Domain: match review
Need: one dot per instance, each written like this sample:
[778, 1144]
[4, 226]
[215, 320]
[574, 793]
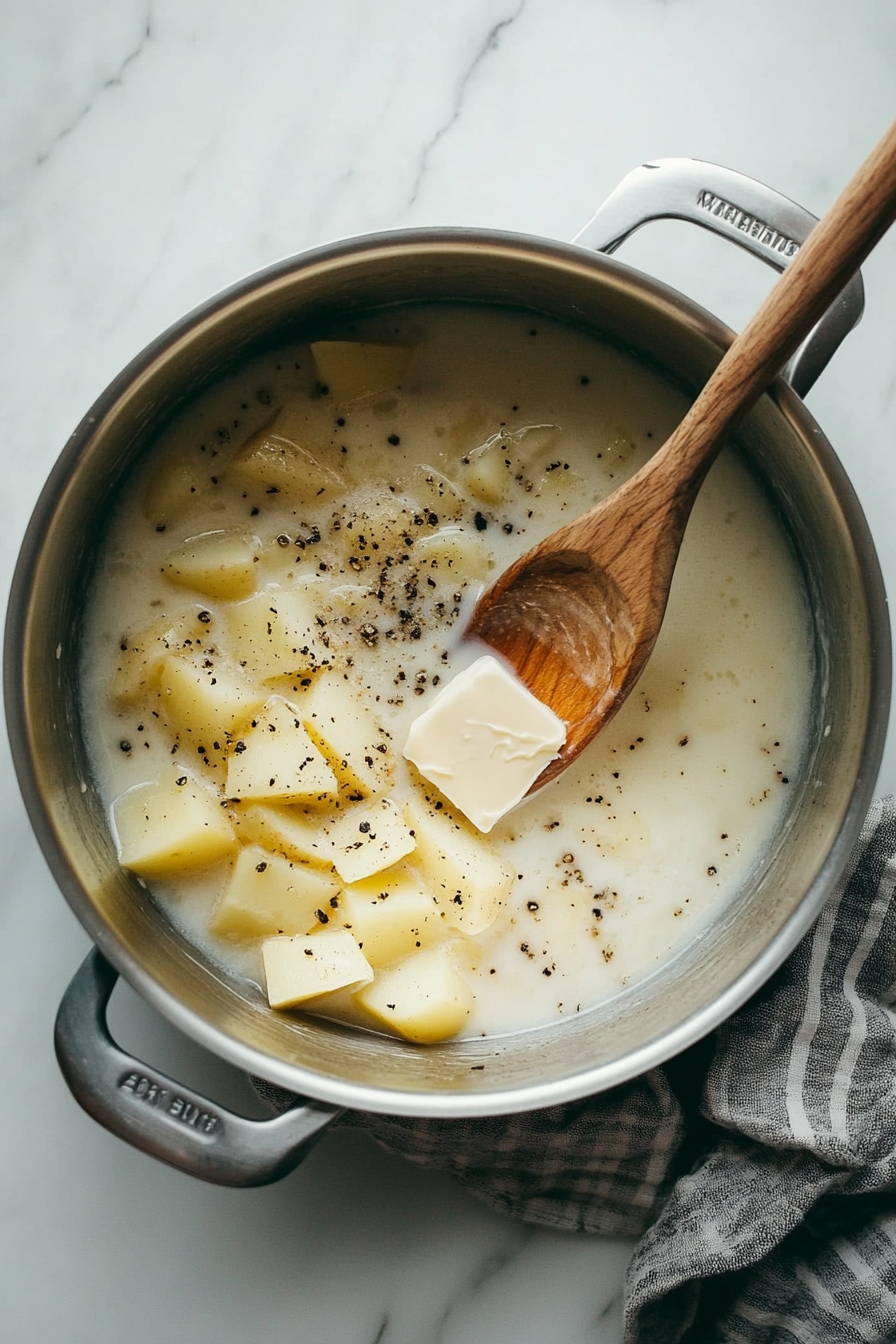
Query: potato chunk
[464, 873]
[281, 458]
[142, 654]
[348, 735]
[423, 998]
[504, 457]
[275, 633]
[301, 968]
[488, 474]
[286, 830]
[390, 916]
[266, 894]
[173, 487]
[377, 523]
[220, 564]
[353, 369]
[274, 758]
[203, 701]
[170, 825]
[369, 838]
[452, 552]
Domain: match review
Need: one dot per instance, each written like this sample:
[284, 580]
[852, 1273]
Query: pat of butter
[484, 741]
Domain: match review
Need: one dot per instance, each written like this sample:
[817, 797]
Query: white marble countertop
[155, 150]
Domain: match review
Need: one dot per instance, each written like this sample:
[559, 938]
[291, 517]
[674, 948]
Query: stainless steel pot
[335, 1066]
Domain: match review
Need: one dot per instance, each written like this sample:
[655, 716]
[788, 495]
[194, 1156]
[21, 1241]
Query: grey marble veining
[153, 153]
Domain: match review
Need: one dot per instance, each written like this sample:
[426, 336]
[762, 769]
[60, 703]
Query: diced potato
[301, 968]
[390, 916]
[454, 552]
[489, 474]
[341, 1006]
[344, 1005]
[142, 655]
[467, 877]
[203, 705]
[369, 838]
[424, 998]
[286, 830]
[171, 825]
[535, 440]
[554, 480]
[353, 598]
[220, 564]
[348, 735]
[437, 491]
[274, 758]
[376, 523]
[172, 488]
[275, 633]
[352, 369]
[266, 894]
[466, 950]
[139, 662]
[490, 468]
[280, 458]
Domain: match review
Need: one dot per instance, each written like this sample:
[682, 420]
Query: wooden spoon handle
[832, 253]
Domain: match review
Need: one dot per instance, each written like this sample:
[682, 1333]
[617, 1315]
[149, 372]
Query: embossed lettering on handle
[162, 1117]
[140, 1087]
[740, 219]
[740, 209]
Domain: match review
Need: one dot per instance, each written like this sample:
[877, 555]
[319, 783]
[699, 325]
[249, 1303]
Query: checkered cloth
[759, 1168]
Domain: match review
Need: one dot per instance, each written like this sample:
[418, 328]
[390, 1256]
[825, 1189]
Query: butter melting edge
[484, 741]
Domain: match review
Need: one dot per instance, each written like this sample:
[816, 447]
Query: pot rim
[298, 1078]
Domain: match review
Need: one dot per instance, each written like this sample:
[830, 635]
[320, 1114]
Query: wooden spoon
[577, 616]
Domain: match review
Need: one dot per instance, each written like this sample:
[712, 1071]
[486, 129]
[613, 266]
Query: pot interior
[644, 1024]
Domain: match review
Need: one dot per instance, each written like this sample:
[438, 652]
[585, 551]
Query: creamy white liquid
[661, 820]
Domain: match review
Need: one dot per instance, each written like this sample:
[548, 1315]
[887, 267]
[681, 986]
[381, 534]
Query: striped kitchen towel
[759, 1168]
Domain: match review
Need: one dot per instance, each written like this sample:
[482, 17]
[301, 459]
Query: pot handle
[737, 208]
[160, 1117]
